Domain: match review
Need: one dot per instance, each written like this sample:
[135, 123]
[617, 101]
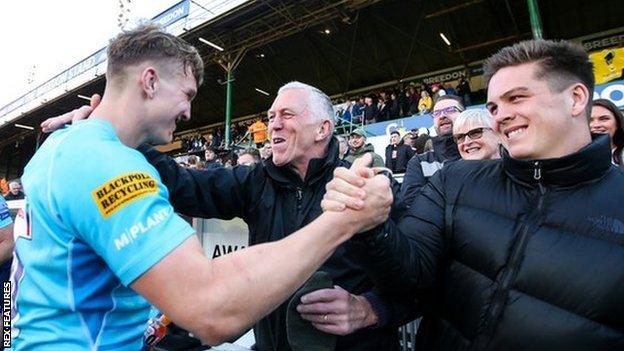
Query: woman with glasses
[473, 131]
[606, 118]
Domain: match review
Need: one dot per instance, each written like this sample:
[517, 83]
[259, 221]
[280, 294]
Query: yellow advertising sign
[608, 64]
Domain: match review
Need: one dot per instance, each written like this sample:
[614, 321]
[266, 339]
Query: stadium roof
[340, 46]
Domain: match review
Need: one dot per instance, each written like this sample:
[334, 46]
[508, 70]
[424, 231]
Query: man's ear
[149, 81]
[323, 131]
[580, 98]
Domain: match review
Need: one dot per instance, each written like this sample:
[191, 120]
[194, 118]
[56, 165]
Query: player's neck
[123, 115]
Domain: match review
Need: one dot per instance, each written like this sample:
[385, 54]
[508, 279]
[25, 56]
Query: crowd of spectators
[243, 132]
[376, 106]
[389, 104]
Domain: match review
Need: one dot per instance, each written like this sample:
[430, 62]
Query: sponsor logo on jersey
[132, 233]
[118, 192]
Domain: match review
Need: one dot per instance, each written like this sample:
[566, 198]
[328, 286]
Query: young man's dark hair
[562, 63]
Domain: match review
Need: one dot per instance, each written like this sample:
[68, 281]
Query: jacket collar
[445, 146]
[589, 163]
[317, 167]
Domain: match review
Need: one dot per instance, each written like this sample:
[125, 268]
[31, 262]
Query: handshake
[360, 194]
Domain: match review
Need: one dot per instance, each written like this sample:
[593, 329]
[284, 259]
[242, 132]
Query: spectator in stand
[347, 113]
[421, 167]
[258, 131]
[217, 140]
[395, 106]
[266, 151]
[210, 159]
[195, 162]
[438, 92]
[463, 90]
[413, 99]
[343, 147]
[15, 191]
[425, 102]
[249, 157]
[370, 110]
[229, 160]
[359, 148]
[606, 118]
[404, 102]
[407, 139]
[384, 108]
[412, 141]
[448, 90]
[473, 132]
[358, 110]
[397, 153]
[424, 143]
[4, 186]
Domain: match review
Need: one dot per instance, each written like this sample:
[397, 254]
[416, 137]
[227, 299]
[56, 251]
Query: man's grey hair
[319, 104]
[473, 117]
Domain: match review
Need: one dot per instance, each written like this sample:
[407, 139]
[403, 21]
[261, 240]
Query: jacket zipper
[514, 261]
[299, 196]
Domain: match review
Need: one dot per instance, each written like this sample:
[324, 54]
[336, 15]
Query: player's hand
[54, 123]
[345, 190]
[376, 204]
[336, 311]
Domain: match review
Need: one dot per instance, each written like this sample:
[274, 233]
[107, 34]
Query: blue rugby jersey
[97, 219]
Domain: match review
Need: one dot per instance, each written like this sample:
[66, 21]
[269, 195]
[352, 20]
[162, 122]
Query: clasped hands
[361, 192]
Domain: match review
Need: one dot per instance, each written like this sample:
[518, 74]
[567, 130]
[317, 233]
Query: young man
[526, 252]
[98, 250]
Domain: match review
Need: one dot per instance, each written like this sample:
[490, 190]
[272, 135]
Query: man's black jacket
[512, 255]
[275, 202]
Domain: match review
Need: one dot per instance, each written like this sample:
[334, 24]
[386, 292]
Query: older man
[525, 252]
[281, 195]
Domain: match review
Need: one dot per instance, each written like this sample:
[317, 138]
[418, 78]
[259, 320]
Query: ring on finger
[324, 318]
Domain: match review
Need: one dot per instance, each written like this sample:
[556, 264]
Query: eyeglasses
[474, 134]
[445, 111]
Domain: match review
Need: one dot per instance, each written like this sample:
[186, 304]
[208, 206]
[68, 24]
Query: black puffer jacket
[275, 202]
[513, 255]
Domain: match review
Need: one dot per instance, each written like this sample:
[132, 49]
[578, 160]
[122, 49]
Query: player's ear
[149, 81]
